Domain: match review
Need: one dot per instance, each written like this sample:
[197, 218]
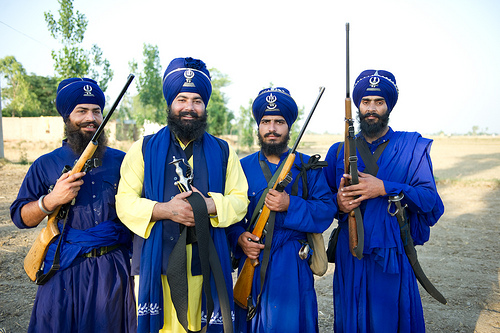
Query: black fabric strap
[177, 279]
[210, 264]
[370, 160]
[271, 179]
[313, 163]
[270, 185]
[41, 278]
[189, 150]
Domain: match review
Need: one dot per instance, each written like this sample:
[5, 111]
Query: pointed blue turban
[376, 83]
[275, 102]
[186, 75]
[74, 91]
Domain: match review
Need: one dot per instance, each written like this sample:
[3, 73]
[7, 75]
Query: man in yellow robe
[172, 229]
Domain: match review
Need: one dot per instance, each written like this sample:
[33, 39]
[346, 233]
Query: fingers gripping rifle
[355, 219]
[34, 259]
[243, 287]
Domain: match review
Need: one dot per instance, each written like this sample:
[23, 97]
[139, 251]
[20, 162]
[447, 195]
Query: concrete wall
[41, 129]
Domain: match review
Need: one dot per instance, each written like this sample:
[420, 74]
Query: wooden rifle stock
[34, 259]
[243, 286]
[353, 230]
[355, 220]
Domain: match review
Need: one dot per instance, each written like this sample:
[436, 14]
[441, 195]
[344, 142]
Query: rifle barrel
[348, 93]
[98, 133]
[302, 131]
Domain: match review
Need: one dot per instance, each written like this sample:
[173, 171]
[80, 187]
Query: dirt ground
[461, 257]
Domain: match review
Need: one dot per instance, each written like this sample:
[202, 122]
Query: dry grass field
[461, 257]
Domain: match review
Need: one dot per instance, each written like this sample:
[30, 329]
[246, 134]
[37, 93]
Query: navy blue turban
[186, 75]
[74, 91]
[275, 102]
[376, 83]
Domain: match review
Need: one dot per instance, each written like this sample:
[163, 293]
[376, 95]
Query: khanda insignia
[188, 74]
[374, 82]
[271, 100]
[183, 183]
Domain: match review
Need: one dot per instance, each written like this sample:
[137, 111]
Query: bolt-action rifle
[34, 259]
[243, 287]
[355, 219]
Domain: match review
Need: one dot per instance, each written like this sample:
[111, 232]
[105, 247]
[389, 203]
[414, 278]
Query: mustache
[370, 114]
[76, 128]
[188, 113]
[89, 123]
[272, 133]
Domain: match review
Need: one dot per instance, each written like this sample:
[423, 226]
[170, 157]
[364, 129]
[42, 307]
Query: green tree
[219, 116]
[247, 131]
[45, 89]
[295, 130]
[149, 104]
[72, 60]
[18, 98]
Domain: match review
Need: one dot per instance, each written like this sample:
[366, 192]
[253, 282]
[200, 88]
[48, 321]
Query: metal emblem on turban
[271, 99]
[374, 81]
[188, 74]
[88, 90]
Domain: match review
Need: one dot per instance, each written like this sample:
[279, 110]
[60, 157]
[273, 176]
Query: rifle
[34, 259]
[355, 219]
[243, 286]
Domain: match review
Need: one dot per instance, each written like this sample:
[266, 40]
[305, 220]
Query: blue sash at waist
[77, 242]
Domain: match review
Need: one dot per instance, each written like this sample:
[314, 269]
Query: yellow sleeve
[232, 206]
[133, 210]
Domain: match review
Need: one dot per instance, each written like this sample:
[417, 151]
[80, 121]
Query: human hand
[351, 196]
[277, 201]
[212, 210]
[249, 244]
[177, 209]
[65, 190]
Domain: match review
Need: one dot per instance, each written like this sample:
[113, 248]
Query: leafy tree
[247, 127]
[219, 116]
[20, 99]
[72, 60]
[149, 104]
[45, 89]
[295, 130]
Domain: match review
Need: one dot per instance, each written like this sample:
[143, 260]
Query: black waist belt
[100, 251]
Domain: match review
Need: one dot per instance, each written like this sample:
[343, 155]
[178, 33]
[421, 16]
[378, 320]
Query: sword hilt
[184, 183]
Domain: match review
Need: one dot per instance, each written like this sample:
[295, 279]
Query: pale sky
[442, 53]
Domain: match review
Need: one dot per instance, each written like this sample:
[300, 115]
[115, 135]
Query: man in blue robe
[288, 301]
[379, 293]
[92, 291]
[181, 284]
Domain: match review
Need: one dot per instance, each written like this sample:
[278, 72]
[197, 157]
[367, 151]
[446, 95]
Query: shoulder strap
[339, 148]
[313, 163]
[370, 160]
[270, 183]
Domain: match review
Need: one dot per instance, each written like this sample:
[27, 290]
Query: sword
[410, 251]
[184, 183]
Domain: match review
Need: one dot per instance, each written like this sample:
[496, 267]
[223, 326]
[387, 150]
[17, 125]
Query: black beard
[78, 141]
[187, 130]
[275, 148]
[373, 129]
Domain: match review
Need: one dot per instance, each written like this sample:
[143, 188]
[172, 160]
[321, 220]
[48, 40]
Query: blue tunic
[92, 294]
[379, 293]
[288, 302]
